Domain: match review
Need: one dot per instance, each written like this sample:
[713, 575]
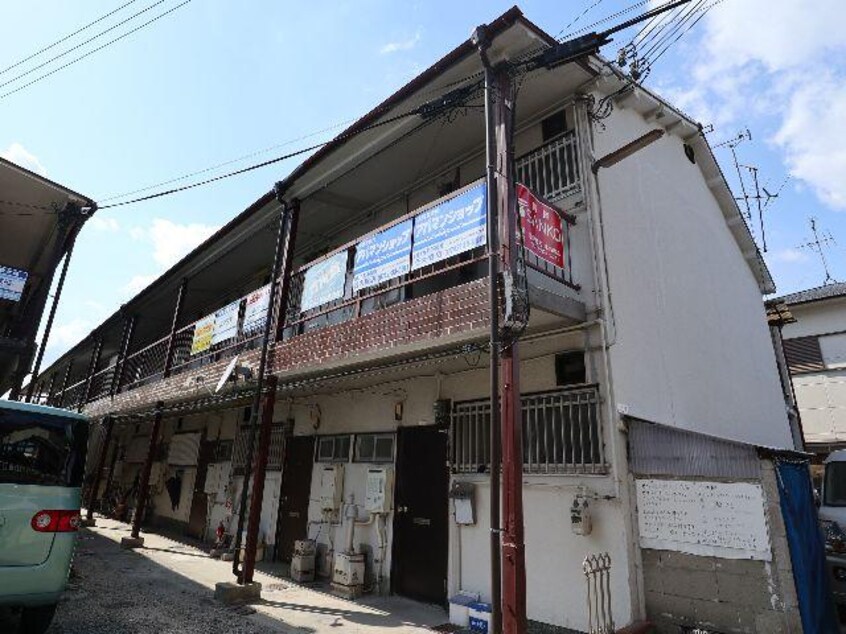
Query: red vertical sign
[542, 226]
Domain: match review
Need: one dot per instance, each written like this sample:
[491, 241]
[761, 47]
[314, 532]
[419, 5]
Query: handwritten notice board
[703, 518]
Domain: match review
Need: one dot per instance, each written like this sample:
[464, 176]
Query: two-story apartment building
[652, 413]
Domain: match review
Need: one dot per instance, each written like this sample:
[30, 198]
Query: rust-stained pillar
[123, 353]
[98, 472]
[513, 547]
[144, 484]
[92, 370]
[65, 380]
[171, 342]
[268, 402]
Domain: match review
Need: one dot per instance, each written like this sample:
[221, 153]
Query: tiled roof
[837, 289]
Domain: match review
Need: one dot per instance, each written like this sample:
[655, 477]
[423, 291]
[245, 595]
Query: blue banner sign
[382, 256]
[324, 282]
[12, 282]
[452, 227]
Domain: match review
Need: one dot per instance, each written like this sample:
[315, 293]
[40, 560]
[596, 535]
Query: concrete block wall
[725, 595]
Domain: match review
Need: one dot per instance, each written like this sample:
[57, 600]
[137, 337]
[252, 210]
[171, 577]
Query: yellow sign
[203, 334]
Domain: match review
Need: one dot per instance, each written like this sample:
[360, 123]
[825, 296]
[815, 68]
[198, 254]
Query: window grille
[561, 434]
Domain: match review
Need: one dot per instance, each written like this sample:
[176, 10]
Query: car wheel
[36, 620]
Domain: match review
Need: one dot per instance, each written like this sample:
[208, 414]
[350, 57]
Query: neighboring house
[650, 395]
[39, 221]
[815, 351]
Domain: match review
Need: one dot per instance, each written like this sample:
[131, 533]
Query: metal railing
[561, 434]
[597, 569]
[552, 170]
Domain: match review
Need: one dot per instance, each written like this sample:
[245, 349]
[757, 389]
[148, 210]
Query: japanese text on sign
[203, 334]
[452, 227]
[12, 282]
[382, 256]
[256, 310]
[324, 282]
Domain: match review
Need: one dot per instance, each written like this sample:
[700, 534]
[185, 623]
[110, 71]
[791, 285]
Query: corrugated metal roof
[661, 450]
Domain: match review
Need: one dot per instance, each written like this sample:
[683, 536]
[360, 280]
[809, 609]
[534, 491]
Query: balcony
[354, 300]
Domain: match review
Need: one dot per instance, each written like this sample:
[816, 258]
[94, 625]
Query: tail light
[62, 521]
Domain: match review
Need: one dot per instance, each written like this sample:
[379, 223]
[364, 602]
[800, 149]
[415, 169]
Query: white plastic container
[459, 608]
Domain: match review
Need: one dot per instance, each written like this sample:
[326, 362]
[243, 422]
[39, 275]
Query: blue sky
[216, 80]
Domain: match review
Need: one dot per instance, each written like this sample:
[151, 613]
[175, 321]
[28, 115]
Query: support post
[65, 380]
[287, 261]
[513, 547]
[108, 423]
[92, 370]
[135, 540]
[49, 326]
[123, 353]
[284, 243]
[171, 342]
[50, 386]
[107, 490]
[269, 401]
[481, 40]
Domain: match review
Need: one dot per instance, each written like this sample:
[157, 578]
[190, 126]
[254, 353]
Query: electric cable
[65, 38]
[682, 19]
[704, 12]
[578, 17]
[95, 50]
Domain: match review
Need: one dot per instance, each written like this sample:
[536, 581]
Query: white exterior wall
[821, 396]
[554, 555]
[690, 345]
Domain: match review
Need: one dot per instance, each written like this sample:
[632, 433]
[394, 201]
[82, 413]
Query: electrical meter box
[580, 516]
[378, 496]
[331, 487]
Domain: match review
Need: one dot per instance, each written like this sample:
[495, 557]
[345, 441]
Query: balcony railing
[552, 170]
[561, 433]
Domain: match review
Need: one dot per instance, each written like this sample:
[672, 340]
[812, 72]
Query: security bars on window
[561, 434]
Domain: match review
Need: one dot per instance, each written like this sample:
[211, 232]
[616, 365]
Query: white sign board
[256, 310]
[717, 519]
[12, 282]
[226, 322]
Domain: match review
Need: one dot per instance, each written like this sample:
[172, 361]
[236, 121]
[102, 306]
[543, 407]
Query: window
[374, 448]
[570, 368]
[333, 449]
[553, 126]
[835, 484]
[561, 434]
[803, 354]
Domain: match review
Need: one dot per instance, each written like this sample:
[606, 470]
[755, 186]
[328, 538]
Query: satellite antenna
[227, 373]
[817, 245]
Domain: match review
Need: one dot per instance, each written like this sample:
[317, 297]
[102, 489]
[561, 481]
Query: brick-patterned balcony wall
[441, 318]
[182, 386]
[436, 319]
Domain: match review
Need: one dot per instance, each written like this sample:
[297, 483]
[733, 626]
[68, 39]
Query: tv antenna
[817, 245]
[759, 199]
[732, 143]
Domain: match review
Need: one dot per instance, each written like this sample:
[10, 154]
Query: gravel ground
[115, 591]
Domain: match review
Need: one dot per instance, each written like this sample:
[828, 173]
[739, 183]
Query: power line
[578, 17]
[378, 111]
[607, 18]
[427, 108]
[66, 37]
[703, 13]
[91, 52]
[80, 45]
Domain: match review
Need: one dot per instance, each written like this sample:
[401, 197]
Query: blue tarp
[807, 548]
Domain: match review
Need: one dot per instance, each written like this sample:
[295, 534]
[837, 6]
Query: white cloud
[171, 241]
[63, 336]
[784, 66]
[137, 284]
[790, 256]
[101, 223]
[401, 45]
[137, 233]
[18, 154]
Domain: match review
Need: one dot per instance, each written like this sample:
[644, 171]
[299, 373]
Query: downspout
[481, 40]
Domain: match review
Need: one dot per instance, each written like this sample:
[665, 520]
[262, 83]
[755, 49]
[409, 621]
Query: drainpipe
[257, 496]
[144, 485]
[282, 241]
[49, 327]
[481, 40]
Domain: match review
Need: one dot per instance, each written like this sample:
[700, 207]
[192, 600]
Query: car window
[834, 490]
[41, 449]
